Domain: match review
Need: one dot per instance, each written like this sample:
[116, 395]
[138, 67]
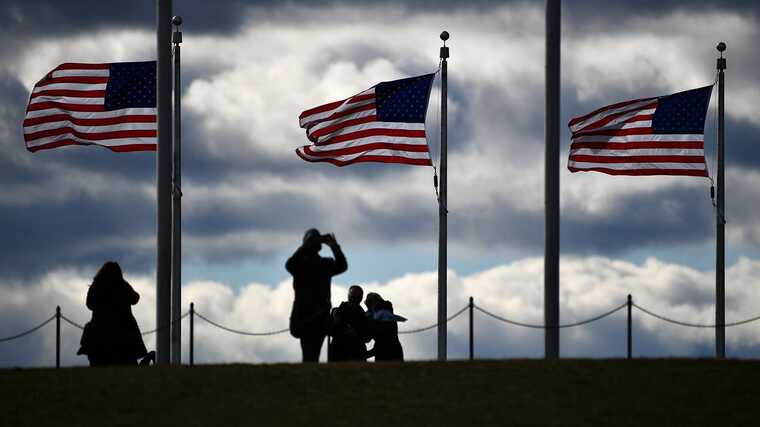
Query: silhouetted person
[112, 336]
[383, 326]
[312, 274]
[349, 329]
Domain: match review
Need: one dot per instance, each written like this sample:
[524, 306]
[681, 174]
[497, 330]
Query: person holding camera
[312, 274]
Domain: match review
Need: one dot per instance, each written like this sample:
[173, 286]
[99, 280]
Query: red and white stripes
[67, 108]
[619, 139]
[348, 131]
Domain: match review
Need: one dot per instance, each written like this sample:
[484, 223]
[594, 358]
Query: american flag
[385, 123]
[111, 105]
[650, 136]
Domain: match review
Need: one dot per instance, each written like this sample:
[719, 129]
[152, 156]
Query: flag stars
[682, 112]
[131, 85]
[403, 100]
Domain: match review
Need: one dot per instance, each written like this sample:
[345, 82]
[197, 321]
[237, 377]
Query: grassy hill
[507, 393]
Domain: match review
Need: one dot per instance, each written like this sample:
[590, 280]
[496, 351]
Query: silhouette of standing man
[312, 275]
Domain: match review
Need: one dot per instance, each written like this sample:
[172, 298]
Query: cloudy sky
[249, 69]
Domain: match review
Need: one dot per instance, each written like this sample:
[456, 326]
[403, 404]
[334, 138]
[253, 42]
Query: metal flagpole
[551, 181]
[442, 210]
[163, 179]
[176, 327]
[720, 250]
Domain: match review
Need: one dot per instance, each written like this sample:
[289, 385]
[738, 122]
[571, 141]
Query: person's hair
[357, 290]
[309, 233]
[109, 272]
[372, 299]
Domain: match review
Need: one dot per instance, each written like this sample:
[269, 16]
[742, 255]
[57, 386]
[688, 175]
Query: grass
[669, 392]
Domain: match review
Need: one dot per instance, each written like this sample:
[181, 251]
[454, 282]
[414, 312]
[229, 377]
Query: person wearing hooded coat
[383, 326]
[112, 336]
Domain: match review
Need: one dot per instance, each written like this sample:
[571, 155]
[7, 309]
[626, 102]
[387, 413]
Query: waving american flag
[385, 123]
[110, 105]
[649, 136]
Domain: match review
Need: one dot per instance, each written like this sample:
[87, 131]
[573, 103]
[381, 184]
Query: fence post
[472, 338]
[630, 305]
[57, 336]
[192, 316]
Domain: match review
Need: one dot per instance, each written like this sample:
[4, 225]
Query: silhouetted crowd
[112, 336]
[349, 326]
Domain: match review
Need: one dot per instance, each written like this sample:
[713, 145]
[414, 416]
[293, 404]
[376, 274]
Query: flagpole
[163, 179]
[720, 250]
[442, 211]
[176, 328]
[551, 180]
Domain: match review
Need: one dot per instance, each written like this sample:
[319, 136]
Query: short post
[630, 334]
[57, 336]
[472, 329]
[192, 317]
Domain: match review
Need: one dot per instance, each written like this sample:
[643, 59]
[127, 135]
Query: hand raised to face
[329, 240]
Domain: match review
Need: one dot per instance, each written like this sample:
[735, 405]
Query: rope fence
[71, 322]
[471, 307]
[153, 331]
[568, 325]
[235, 331]
[695, 325]
[13, 337]
[434, 325]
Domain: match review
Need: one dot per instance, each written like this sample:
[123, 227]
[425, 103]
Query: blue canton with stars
[131, 85]
[404, 100]
[683, 112]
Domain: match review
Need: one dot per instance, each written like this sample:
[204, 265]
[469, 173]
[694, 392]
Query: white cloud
[589, 286]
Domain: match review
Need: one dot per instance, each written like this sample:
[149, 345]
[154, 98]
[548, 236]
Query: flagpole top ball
[721, 47]
[445, 35]
[177, 20]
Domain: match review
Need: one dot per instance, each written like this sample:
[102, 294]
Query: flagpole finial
[721, 61]
[177, 34]
[444, 49]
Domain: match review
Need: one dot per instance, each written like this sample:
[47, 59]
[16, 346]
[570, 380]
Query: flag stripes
[367, 127]
[648, 136]
[69, 107]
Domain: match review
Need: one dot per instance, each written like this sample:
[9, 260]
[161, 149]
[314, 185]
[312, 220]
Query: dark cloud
[742, 149]
[84, 229]
[595, 15]
[662, 218]
[46, 18]
[283, 211]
